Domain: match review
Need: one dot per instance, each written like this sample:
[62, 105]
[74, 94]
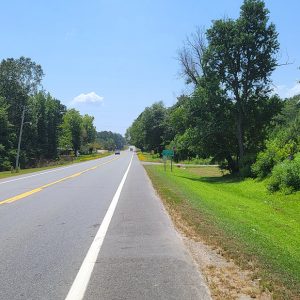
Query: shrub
[286, 176]
[277, 150]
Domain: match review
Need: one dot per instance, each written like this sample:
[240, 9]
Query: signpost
[168, 154]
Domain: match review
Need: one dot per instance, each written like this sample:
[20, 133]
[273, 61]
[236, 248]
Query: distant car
[117, 152]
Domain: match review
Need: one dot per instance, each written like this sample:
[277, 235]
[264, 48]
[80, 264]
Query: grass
[82, 158]
[146, 156]
[259, 230]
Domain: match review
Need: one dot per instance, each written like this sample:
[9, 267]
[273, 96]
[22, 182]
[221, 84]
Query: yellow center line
[39, 189]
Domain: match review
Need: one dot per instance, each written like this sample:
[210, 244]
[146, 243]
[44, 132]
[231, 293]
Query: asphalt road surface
[94, 230]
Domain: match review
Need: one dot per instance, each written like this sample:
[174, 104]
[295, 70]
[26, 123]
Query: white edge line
[42, 173]
[83, 276]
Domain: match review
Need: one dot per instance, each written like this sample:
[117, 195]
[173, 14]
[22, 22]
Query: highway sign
[168, 153]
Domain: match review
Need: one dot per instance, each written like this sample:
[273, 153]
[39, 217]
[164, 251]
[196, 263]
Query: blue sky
[112, 58]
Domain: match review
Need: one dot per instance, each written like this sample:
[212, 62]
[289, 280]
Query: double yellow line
[39, 189]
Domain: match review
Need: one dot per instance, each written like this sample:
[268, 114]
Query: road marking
[21, 196]
[82, 279]
[39, 189]
[42, 173]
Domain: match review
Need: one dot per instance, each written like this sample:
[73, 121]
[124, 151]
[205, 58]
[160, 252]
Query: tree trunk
[240, 137]
[232, 166]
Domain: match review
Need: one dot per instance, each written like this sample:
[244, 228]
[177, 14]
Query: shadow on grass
[216, 179]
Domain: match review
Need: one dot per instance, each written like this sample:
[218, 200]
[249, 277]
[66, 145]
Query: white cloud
[91, 97]
[295, 90]
[285, 92]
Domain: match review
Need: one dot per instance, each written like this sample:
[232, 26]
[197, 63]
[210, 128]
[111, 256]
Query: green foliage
[71, 129]
[284, 139]
[286, 176]
[19, 79]
[135, 133]
[6, 136]
[40, 137]
[110, 141]
[241, 55]
[230, 110]
[45, 124]
[277, 150]
[245, 169]
[88, 134]
[148, 129]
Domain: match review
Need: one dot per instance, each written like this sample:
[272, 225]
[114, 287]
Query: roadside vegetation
[51, 132]
[110, 140]
[259, 230]
[151, 157]
[54, 164]
[250, 206]
[232, 116]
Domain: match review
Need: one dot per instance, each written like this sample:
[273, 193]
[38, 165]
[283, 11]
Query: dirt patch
[225, 279]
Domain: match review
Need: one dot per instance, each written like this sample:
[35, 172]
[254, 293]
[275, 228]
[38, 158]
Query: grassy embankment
[260, 231]
[148, 157]
[55, 164]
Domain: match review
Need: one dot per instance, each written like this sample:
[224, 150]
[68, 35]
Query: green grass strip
[82, 158]
[249, 222]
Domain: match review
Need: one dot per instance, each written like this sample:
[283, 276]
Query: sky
[112, 58]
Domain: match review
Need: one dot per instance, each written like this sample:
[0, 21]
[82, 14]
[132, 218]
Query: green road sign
[168, 153]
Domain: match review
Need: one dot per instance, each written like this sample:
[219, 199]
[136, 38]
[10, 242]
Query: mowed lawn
[253, 226]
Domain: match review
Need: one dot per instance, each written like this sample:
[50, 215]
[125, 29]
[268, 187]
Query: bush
[286, 176]
[277, 151]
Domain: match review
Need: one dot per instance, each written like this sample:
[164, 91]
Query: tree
[191, 57]
[241, 55]
[110, 140]
[213, 124]
[283, 140]
[19, 79]
[71, 129]
[147, 131]
[177, 131]
[135, 134]
[88, 132]
[45, 114]
[153, 121]
[5, 137]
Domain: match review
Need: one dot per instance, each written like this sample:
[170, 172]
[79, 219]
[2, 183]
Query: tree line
[232, 115]
[110, 140]
[49, 128]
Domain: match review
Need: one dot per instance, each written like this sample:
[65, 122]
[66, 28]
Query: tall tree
[153, 120]
[19, 79]
[71, 130]
[191, 57]
[89, 130]
[45, 114]
[241, 54]
[5, 137]
[135, 134]
[88, 133]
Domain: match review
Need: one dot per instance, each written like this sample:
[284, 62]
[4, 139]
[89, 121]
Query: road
[94, 230]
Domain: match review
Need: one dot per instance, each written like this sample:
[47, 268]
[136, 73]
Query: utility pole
[20, 137]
